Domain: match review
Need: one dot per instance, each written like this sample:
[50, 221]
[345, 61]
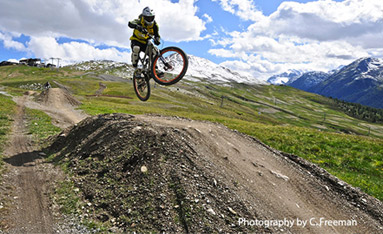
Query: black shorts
[137, 43]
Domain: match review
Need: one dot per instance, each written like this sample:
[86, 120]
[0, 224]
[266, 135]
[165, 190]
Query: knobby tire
[138, 85]
[178, 61]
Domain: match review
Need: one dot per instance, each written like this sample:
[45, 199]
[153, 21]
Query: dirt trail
[270, 184]
[273, 185]
[59, 105]
[28, 180]
[30, 209]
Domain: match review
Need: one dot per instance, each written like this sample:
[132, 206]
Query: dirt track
[58, 104]
[28, 179]
[269, 185]
[29, 209]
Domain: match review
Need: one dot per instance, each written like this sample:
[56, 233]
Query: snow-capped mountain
[309, 80]
[206, 69]
[360, 82]
[198, 69]
[98, 65]
[369, 68]
[285, 78]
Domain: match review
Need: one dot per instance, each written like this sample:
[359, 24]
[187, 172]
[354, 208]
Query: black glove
[157, 41]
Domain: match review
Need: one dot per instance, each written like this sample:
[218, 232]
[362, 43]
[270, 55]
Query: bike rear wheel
[141, 86]
[169, 66]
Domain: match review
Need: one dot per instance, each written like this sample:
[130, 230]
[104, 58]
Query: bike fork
[167, 65]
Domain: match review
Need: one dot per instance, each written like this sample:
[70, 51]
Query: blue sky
[260, 37]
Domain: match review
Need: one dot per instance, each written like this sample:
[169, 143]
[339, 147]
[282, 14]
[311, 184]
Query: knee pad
[136, 49]
[135, 52]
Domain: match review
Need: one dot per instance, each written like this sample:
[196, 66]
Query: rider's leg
[137, 47]
[135, 53]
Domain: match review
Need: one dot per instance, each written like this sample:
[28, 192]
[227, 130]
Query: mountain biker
[139, 39]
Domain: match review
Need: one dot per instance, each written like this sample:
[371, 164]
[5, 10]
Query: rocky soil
[167, 174]
[153, 173]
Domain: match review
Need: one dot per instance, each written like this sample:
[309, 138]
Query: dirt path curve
[274, 186]
[29, 178]
[30, 213]
[59, 104]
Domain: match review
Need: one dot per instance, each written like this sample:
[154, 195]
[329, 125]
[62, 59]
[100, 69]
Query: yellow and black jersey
[139, 36]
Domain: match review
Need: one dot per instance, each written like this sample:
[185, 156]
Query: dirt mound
[174, 175]
[57, 97]
[146, 178]
[59, 104]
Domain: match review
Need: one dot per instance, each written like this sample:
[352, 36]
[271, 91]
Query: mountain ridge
[285, 77]
[198, 69]
[359, 82]
[309, 80]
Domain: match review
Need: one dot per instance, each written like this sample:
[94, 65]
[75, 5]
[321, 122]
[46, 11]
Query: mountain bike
[166, 66]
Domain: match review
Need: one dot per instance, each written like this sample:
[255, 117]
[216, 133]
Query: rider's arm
[133, 24]
[156, 30]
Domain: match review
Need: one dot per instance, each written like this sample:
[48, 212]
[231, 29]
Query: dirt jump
[177, 175]
[167, 174]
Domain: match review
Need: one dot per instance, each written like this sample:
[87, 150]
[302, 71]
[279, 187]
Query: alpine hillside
[198, 69]
[360, 82]
[195, 157]
[285, 78]
[207, 70]
[309, 80]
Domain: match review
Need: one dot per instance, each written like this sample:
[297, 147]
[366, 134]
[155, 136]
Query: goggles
[149, 18]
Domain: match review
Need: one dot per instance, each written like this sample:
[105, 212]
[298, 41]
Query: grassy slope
[284, 118]
[7, 109]
[11, 78]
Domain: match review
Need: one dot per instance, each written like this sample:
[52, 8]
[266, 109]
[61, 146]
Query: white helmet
[148, 15]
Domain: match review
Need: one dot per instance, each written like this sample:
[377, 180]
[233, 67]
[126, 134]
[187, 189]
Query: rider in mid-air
[139, 39]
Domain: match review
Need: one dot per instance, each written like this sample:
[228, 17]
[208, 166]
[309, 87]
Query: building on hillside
[50, 65]
[33, 62]
[7, 63]
[36, 62]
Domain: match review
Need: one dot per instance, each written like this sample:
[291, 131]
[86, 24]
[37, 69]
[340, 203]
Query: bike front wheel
[141, 86]
[169, 66]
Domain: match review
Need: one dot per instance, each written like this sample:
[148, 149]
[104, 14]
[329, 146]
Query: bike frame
[149, 68]
[147, 59]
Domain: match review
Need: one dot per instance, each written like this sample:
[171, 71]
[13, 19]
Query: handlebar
[144, 31]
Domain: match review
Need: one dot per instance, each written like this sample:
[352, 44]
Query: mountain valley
[359, 82]
[197, 155]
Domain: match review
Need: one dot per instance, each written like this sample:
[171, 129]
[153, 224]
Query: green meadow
[287, 119]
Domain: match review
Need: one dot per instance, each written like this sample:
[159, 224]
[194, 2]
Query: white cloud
[318, 35]
[9, 43]
[208, 18]
[325, 20]
[47, 47]
[244, 9]
[98, 21]
[222, 53]
[178, 21]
